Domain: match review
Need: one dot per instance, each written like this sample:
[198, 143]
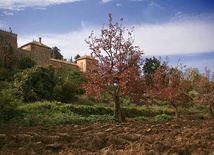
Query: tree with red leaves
[168, 86]
[205, 92]
[116, 68]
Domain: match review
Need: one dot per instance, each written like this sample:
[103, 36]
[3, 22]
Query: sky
[180, 29]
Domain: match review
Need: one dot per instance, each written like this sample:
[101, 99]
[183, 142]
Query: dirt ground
[177, 137]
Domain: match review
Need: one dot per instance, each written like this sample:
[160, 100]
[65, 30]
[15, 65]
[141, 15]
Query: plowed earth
[178, 137]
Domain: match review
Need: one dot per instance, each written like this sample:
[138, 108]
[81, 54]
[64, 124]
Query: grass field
[47, 113]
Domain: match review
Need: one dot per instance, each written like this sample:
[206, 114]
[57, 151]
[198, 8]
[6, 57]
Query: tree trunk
[212, 110]
[176, 112]
[119, 115]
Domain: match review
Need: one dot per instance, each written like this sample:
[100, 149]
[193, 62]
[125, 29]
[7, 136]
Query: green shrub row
[46, 113]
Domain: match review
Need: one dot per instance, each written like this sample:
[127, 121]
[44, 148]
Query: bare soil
[177, 137]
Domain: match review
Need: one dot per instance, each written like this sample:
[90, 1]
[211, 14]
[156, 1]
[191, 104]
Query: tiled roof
[65, 62]
[36, 43]
[85, 57]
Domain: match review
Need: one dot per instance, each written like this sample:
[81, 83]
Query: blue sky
[175, 28]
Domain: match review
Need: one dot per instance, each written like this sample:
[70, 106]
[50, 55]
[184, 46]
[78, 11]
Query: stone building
[8, 46]
[84, 63]
[37, 51]
[63, 64]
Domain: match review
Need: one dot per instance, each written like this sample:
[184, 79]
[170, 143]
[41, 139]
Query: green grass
[46, 113]
[163, 117]
[141, 119]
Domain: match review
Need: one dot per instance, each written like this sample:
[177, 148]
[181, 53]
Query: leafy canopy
[117, 69]
[116, 65]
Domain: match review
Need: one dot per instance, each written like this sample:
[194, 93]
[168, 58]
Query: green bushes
[8, 106]
[87, 110]
[25, 63]
[65, 92]
[35, 84]
[141, 118]
[163, 117]
[44, 113]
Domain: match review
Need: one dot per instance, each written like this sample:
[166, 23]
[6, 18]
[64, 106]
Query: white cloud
[106, 1]
[155, 5]
[179, 36]
[176, 37]
[17, 5]
[118, 4]
[8, 13]
[70, 44]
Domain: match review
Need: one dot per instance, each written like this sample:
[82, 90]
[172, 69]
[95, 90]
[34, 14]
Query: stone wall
[8, 45]
[84, 63]
[38, 52]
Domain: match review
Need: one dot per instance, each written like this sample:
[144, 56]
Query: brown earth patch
[178, 137]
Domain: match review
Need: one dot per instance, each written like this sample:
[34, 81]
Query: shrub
[35, 84]
[102, 119]
[163, 117]
[8, 106]
[25, 63]
[44, 113]
[141, 119]
[65, 92]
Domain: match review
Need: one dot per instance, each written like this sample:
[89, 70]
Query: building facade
[62, 64]
[8, 46]
[37, 51]
[84, 63]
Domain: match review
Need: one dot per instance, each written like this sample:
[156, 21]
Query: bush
[43, 113]
[65, 92]
[141, 119]
[8, 106]
[7, 74]
[25, 63]
[101, 119]
[35, 84]
[4, 85]
[87, 110]
[163, 117]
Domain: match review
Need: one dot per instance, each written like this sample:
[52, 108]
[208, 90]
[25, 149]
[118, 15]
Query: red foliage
[168, 86]
[205, 93]
[118, 65]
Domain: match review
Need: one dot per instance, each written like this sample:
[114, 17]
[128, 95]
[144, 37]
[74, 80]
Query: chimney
[40, 40]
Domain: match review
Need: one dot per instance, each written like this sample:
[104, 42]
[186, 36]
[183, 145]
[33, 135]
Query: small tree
[35, 84]
[25, 63]
[205, 93]
[76, 57]
[55, 53]
[168, 86]
[69, 85]
[149, 68]
[116, 66]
